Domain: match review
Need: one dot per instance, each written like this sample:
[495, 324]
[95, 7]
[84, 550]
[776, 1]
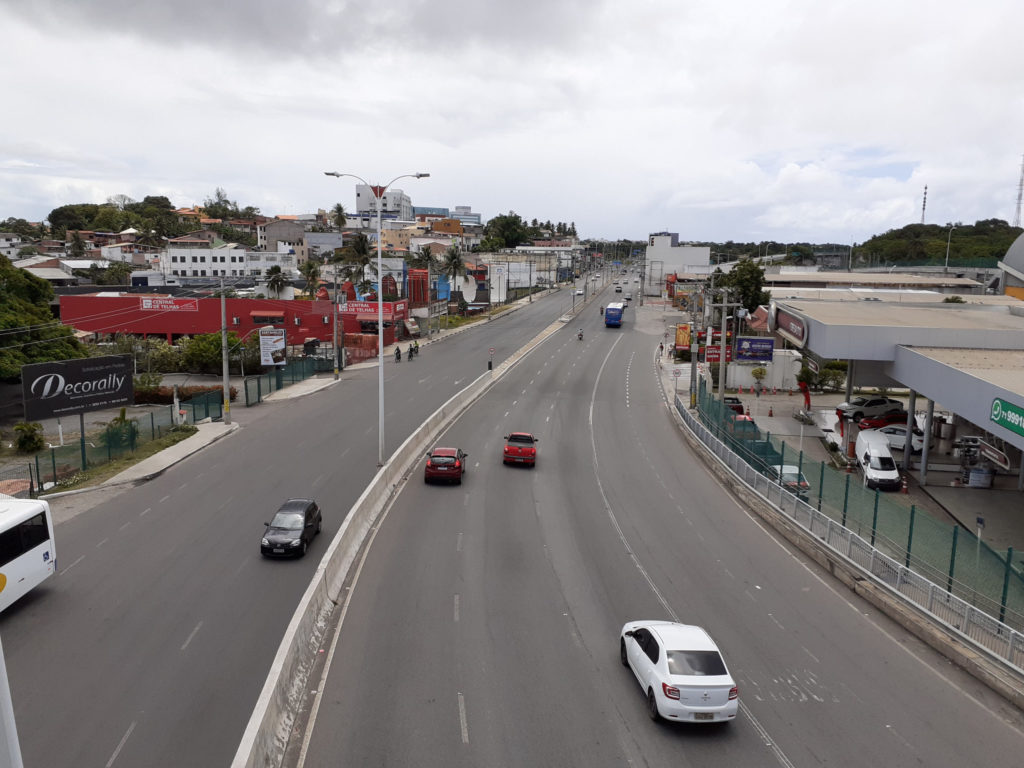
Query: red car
[447, 464]
[520, 448]
[875, 422]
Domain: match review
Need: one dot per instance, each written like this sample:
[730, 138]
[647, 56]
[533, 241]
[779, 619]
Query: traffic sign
[492, 350]
[677, 372]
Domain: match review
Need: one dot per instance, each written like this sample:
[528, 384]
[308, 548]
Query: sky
[800, 121]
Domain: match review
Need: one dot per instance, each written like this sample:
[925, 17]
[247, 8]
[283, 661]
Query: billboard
[67, 387]
[754, 349]
[272, 346]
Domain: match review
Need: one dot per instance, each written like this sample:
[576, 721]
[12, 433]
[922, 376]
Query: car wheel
[622, 653]
[652, 706]
[426, 480]
[319, 524]
[302, 552]
[459, 481]
[857, 417]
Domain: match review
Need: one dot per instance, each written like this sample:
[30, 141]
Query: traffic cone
[770, 414]
[905, 490]
[774, 392]
[741, 389]
[748, 410]
[790, 391]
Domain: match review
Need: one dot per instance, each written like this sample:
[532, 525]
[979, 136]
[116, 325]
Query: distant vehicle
[859, 407]
[613, 314]
[896, 434]
[789, 477]
[618, 289]
[681, 671]
[579, 291]
[292, 529]
[733, 403]
[629, 297]
[27, 553]
[893, 417]
[448, 464]
[520, 448]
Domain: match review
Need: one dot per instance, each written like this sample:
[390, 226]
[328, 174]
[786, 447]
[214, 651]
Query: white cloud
[729, 121]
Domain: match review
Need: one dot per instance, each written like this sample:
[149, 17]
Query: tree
[20, 227]
[202, 353]
[356, 259]
[116, 273]
[77, 246]
[746, 283]
[310, 269]
[422, 259]
[506, 229]
[71, 217]
[452, 264]
[338, 215]
[276, 281]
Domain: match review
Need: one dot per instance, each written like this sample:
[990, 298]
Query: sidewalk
[1001, 507]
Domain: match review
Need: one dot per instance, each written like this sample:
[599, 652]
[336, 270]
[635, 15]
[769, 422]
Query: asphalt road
[483, 628]
[151, 645]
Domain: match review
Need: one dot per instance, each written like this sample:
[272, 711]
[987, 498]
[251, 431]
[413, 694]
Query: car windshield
[527, 439]
[885, 463]
[287, 520]
[698, 663]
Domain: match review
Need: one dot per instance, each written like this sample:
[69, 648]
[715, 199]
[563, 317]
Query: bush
[120, 432]
[165, 395]
[30, 437]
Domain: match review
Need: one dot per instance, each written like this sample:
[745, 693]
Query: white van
[876, 461]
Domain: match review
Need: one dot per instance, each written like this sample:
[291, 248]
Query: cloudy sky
[717, 119]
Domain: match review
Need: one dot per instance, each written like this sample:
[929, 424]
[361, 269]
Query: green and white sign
[1008, 415]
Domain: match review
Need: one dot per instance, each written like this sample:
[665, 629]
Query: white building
[395, 204]
[224, 262]
[665, 256]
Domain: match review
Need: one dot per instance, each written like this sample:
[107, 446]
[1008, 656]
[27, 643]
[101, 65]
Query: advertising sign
[66, 387]
[791, 327]
[167, 304]
[682, 336]
[272, 346]
[1008, 415]
[714, 354]
[753, 349]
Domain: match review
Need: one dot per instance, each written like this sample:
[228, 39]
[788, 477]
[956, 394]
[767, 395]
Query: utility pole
[530, 289]
[722, 365]
[224, 353]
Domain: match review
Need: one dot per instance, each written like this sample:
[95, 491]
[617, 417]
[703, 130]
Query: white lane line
[370, 429]
[462, 720]
[777, 622]
[147, 509]
[506, 412]
[548, 419]
[124, 739]
[459, 381]
[203, 474]
[458, 542]
[350, 447]
[102, 543]
[319, 478]
[424, 381]
[165, 498]
[193, 634]
[125, 525]
[816, 659]
[80, 559]
[456, 609]
[240, 567]
[516, 402]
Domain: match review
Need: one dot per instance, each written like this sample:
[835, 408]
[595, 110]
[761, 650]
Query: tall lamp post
[945, 270]
[378, 193]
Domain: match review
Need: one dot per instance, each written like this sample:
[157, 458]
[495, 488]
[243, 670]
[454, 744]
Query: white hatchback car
[680, 670]
[896, 434]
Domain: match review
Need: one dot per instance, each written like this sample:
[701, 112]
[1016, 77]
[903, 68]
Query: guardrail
[266, 737]
[959, 623]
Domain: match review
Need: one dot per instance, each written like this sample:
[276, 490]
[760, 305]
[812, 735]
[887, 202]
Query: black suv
[292, 530]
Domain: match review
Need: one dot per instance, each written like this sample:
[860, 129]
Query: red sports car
[520, 448]
[893, 417]
[445, 464]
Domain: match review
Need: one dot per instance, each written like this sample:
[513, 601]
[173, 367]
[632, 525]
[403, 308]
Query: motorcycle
[580, 335]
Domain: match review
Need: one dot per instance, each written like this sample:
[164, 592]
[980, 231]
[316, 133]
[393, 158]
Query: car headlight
[295, 542]
[265, 543]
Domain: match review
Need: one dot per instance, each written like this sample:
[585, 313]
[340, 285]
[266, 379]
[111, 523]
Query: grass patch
[96, 475]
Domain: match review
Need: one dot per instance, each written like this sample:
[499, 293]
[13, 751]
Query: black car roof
[295, 504]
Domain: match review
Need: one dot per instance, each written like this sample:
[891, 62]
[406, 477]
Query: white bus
[27, 553]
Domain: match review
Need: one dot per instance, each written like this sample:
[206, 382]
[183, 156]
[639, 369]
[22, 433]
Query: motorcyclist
[412, 352]
[398, 354]
[580, 335]
[416, 346]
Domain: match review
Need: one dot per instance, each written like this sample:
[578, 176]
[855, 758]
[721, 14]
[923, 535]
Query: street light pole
[378, 194]
[945, 269]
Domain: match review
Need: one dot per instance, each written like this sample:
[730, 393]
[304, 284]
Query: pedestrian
[661, 350]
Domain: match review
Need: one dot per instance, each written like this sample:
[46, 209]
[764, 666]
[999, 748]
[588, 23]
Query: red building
[170, 318]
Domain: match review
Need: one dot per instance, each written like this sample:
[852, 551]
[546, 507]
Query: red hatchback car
[520, 448]
[448, 464]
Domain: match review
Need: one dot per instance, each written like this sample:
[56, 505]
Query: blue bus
[613, 314]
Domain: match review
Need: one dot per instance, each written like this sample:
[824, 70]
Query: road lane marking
[456, 609]
[124, 739]
[80, 559]
[102, 543]
[506, 413]
[462, 720]
[147, 509]
[125, 525]
[458, 542]
[165, 498]
[193, 634]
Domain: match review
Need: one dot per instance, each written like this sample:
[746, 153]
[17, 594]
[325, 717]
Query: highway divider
[266, 736]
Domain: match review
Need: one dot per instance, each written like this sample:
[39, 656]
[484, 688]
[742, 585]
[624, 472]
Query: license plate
[703, 716]
[278, 551]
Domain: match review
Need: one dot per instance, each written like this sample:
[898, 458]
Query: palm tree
[422, 259]
[310, 270]
[452, 265]
[356, 259]
[338, 215]
[276, 280]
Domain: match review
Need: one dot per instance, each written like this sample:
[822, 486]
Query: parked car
[520, 448]
[876, 461]
[859, 407]
[893, 417]
[789, 477]
[896, 434]
[681, 671]
[733, 403]
[448, 464]
[291, 530]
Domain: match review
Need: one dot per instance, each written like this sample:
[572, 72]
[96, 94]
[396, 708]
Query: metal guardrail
[956, 614]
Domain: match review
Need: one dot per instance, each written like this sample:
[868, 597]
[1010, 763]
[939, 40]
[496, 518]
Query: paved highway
[483, 628]
[152, 644]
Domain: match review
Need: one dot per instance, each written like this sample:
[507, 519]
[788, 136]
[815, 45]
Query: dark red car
[448, 464]
[520, 448]
[875, 422]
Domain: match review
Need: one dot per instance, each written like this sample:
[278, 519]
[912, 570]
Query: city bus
[613, 314]
[27, 553]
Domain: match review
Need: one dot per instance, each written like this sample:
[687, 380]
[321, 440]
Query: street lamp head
[421, 175]
[332, 173]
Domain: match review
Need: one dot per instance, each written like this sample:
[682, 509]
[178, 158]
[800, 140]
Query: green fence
[295, 370]
[944, 554]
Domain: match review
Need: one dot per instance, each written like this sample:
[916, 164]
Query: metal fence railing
[295, 370]
[17, 480]
[939, 568]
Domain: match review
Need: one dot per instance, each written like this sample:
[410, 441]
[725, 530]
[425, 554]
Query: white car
[680, 670]
[579, 291]
[896, 434]
[859, 407]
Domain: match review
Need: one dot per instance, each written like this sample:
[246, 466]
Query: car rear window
[520, 439]
[443, 461]
[699, 663]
